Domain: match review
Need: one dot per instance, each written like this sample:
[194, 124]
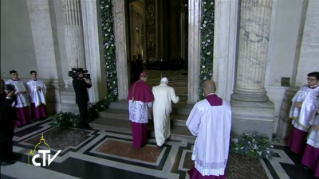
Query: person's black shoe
[7, 162]
[15, 156]
[160, 147]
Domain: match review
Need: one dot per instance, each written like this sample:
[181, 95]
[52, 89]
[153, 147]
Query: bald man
[210, 121]
[164, 96]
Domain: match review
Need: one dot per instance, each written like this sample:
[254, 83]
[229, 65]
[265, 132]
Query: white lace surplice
[313, 137]
[37, 96]
[139, 111]
[302, 116]
[22, 99]
[212, 126]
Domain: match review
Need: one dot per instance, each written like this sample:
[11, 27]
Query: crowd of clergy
[304, 137]
[209, 117]
[30, 101]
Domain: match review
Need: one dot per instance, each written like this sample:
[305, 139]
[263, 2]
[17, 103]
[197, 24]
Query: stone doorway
[157, 41]
[123, 56]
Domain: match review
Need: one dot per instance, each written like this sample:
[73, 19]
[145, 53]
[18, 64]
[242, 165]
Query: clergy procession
[209, 117]
[304, 137]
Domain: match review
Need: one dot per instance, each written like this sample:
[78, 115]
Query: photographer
[7, 118]
[80, 85]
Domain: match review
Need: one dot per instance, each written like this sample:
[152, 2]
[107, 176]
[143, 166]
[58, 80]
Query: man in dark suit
[7, 118]
[80, 86]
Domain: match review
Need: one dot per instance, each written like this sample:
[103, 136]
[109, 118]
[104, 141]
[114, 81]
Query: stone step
[124, 126]
[68, 107]
[123, 114]
[68, 99]
[180, 108]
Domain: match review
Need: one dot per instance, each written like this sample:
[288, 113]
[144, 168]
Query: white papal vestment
[162, 107]
[23, 98]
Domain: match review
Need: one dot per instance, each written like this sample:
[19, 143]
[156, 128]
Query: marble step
[69, 107]
[123, 114]
[179, 108]
[124, 126]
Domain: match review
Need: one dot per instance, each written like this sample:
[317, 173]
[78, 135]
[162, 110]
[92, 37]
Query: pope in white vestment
[210, 121]
[162, 107]
[22, 101]
[37, 91]
[304, 106]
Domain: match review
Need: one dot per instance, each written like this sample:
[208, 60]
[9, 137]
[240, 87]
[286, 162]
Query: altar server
[210, 121]
[37, 91]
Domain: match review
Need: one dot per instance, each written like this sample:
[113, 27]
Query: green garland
[207, 44]
[67, 119]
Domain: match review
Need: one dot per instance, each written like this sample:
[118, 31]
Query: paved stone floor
[101, 154]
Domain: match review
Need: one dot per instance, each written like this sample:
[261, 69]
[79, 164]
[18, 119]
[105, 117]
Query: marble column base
[253, 117]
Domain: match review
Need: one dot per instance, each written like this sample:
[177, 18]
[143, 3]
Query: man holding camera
[80, 85]
[7, 119]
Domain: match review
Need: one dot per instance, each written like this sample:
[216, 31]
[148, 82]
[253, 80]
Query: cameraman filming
[80, 86]
[7, 118]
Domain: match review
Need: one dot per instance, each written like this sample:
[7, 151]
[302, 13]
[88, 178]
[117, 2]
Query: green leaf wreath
[67, 119]
[207, 44]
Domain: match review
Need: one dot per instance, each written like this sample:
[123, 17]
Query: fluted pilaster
[73, 33]
[121, 48]
[255, 19]
[194, 14]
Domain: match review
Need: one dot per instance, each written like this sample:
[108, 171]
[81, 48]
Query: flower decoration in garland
[252, 145]
[109, 51]
[207, 44]
[66, 119]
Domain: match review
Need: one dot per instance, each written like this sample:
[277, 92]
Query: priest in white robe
[304, 106]
[210, 121]
[22, 103]
[37, 91]
[310, 157]
[164, 95]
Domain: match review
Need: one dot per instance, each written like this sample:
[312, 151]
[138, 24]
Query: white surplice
[22, 99]
[162, 107]
[313, 136]
[37, 96]
[138, 111]
[212, 126]
[310, 103]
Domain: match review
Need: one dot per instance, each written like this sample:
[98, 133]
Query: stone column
[73, 33]
[252, 109]
[93, 53]
[121, 48]
[194, 13]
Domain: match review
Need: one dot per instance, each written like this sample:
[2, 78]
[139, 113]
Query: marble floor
[101, 154]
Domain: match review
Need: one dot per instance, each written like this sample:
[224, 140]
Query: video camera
[75, 71]
[9, 88]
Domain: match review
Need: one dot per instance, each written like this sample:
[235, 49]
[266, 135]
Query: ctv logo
[44, 153]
